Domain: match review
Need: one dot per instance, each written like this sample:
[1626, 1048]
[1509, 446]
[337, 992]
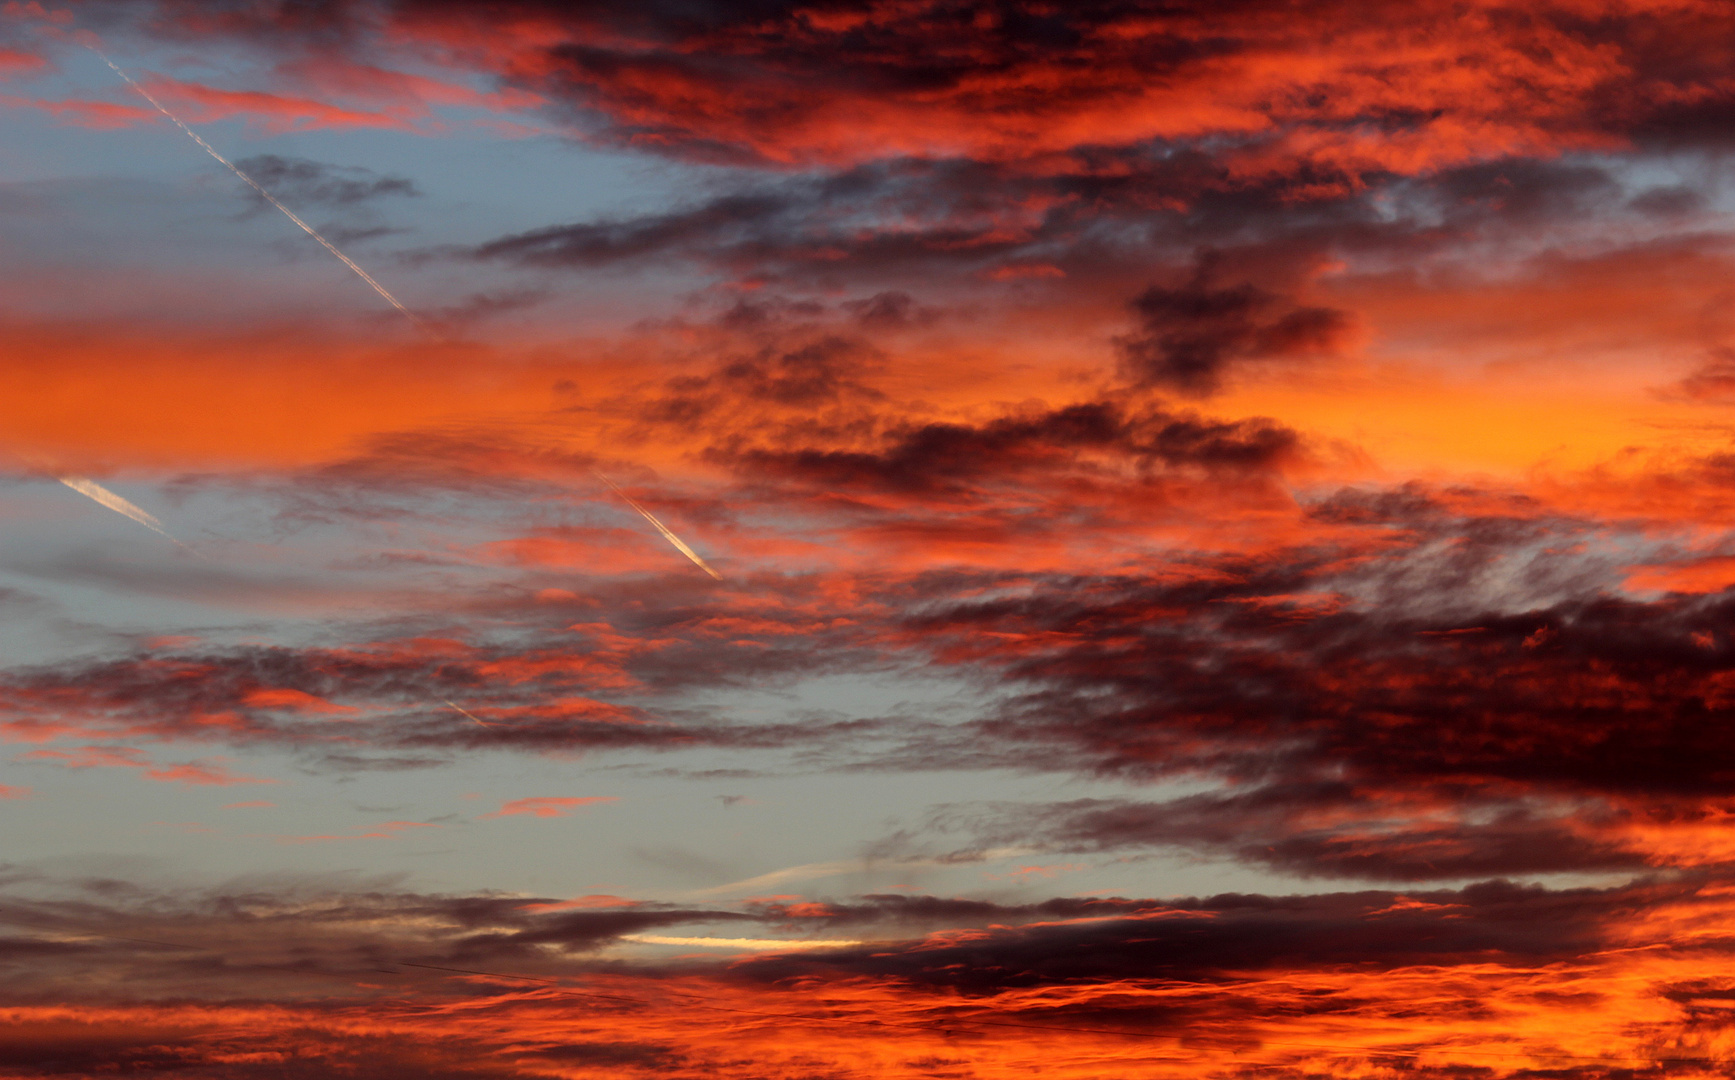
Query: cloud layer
[1287, 440]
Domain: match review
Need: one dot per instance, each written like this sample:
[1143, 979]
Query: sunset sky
[867, 538]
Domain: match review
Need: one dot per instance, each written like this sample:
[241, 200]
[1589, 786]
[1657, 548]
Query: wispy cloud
[547, 805]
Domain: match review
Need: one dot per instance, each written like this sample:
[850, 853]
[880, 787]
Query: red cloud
[98, 115]
[13, 63]
[7, 791]
[206, 773]
[546, 805]
[90, 757]
[33, 9]
[271, 112]
[201, 773]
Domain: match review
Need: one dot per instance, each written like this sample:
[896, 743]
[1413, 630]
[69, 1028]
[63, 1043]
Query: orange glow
[996, 468]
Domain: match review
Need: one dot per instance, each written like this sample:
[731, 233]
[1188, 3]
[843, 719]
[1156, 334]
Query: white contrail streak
[267, 196]
[93, 490]
[680, 545]
[466, 712]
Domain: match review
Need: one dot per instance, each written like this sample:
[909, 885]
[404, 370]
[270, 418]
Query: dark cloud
[262, 933]
[480, 306]
[1190, 939]
[286, 696]
[450, 986]
[780, 82]
[293, 939]
[1713, 380]
[1190, 335]
[819, 372]
[958, 458]
[1332, 830]
[301, 183]
[712, 225]
[1221, 674]
[897, 146]
[886, 310]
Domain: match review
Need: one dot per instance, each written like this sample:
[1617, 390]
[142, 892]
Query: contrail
[680, 545]
[268, 197]
[466, 712]
[93, 490]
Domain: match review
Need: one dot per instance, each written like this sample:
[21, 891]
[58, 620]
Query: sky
[867, 538]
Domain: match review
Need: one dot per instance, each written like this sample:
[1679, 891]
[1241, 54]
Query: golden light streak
[90, 489]
[838, 867]
[267, 196]
[660, 527]
[735, 943]
[466, 712]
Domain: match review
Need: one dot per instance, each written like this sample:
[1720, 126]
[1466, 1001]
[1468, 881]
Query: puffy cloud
[1190, 335]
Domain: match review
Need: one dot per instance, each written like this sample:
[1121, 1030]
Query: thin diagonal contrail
[267, 196]
[90, 489]
[680, 545]
[466, 712]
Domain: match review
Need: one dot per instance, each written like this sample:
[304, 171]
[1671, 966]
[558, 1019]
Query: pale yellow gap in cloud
[736, 943]
[838, 867]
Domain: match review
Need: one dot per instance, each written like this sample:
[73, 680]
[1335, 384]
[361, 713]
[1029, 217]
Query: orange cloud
[546, 805]
[389, 830]
[596, 901]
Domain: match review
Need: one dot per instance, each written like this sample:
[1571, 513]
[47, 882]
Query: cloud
[602, 244]
[389, 830]
[209, 772]
[547, 805]
[1389, 680]
[273, 113]
[738, 944]
[14, 62]
[205, 772]
[96, 115]
[956, 459]
[1190, 335]
[1341, 831]
[1328, 95]
[796, 85]
[89, 757]
[301, 183]
[1437, 590]
[1205, 983]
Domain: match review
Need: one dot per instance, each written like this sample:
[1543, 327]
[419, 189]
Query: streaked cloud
[547, 805]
